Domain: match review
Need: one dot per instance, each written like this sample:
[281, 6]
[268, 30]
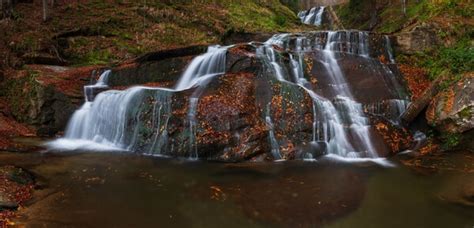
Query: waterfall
[314, 16]
[209, 64]
[391, 109]
[91, 90]
[112, 119]
[330, 119]
[275, 147]
[388, 47]
[137, 119]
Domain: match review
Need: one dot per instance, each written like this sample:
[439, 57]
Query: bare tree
[45, 10]
[6, 8]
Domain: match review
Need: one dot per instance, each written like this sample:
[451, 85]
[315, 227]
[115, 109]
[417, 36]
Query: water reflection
[123, 190]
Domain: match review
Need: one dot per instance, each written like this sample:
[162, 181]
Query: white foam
[380, 161]
[65, 144]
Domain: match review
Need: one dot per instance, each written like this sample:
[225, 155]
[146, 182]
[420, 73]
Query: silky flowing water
[125, 190]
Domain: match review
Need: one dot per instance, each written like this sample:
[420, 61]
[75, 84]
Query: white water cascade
[204, 66]
[90, 90]
[314, 16]
[334, 122]
[105, 122]
[118, 120]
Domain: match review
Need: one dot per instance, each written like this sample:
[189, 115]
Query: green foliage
[95, 57]
[19, 94]
[292, 4]
[27, 44]
[356, 14]
[466, 113]
[280, 20]
[454, 60]
[258, 17]
[450, 140]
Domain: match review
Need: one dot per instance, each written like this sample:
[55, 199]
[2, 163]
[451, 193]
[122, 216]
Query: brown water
[128, 190]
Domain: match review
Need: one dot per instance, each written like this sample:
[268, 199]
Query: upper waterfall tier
[314, 16]
[294, 96]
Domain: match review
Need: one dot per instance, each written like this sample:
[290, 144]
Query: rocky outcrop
[158, 67]
[420, 38]
[452, 110]
[46, 96]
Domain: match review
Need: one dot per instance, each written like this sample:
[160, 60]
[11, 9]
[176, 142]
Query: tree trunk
[45, 10]
[416, 107]
[336, 21]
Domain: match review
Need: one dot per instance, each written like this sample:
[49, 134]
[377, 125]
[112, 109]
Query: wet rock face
[396, 138]
[159, 67]
[367, 78]
[229, 120]
[452, 110]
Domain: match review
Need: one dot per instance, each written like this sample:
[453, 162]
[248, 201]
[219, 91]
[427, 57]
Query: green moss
[248, 15]
[20, 92]
[466, 113]
[455, 60]
[95, 57]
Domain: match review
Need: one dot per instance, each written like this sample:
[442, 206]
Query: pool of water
[129, 190]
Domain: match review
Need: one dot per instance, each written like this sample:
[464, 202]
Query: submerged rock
[452, 110]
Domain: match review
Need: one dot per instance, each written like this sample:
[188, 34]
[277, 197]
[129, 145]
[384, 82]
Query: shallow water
[128, 190]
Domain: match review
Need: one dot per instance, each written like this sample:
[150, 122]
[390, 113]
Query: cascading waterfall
[330, 118]
[113, 119]
[207, 65]
[314, 16]
[392, 109]
[89, 91]
[388, 47]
